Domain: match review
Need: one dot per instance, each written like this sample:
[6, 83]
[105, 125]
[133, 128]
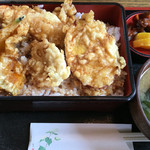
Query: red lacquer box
[111, 13]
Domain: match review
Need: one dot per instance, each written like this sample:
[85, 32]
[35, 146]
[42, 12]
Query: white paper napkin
[78, 136]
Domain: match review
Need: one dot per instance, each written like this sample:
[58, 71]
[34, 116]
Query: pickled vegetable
[142, 43]
[141, 24]
[142, 40]
[142, 35]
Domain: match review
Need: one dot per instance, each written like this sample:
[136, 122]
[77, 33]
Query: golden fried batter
[47, 65]
[92, 53]
[42, 24]
[12, 77]
[66, 13]
[106, 90]
[22, 23]
[46, 25]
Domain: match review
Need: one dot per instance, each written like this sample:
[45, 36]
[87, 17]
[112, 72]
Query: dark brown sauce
[142, 24]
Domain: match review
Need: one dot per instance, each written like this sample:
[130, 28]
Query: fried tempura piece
[66, 13]
[12, 78]
[9, 14]
[7, 32]
[46, 25]
[113, 89]
[42, 24]
[92, 53]
[47, 65]
[18, 24]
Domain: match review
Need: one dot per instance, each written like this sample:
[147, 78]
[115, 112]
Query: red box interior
[110, 13]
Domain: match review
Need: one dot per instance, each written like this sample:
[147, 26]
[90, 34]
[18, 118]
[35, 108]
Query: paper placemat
[78, 136]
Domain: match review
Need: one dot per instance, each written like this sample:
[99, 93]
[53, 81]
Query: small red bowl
[130, 22]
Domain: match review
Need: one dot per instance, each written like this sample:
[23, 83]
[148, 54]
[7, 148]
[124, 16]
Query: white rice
[115, 31]
[78, 15]
[67, 88]
[23, 60]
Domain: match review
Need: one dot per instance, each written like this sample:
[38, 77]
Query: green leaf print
[42, 140]
[48, 140]
[41, 148]
[57, 138]
[52, 132]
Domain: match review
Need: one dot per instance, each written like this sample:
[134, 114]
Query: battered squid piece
[47, 66]
[92, 54]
